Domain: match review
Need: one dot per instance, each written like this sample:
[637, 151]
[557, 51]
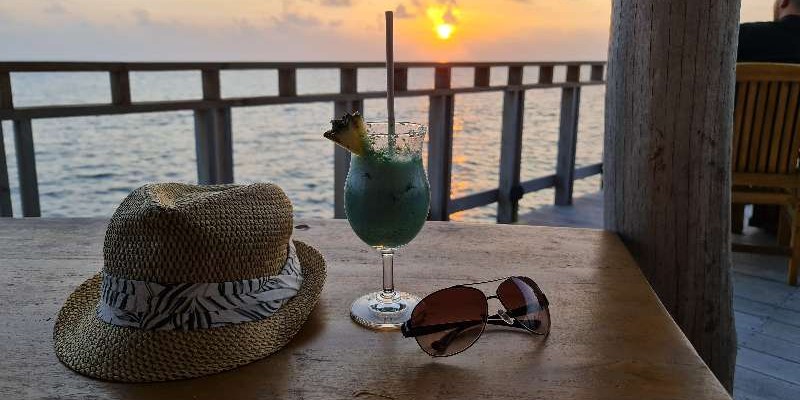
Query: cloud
[446, 12]
[260, 37]
[448, 16]
[292, 19]
[55, 8]
[336, 3]
[142, 17]
[402, 12]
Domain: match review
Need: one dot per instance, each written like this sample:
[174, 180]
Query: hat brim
[95, 348]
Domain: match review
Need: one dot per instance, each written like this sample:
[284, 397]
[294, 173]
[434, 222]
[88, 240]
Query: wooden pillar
[440, 146]
[669, 111]
[348, 83]
[568, 138]
[26, 168]
[5, 188]
[213, 136]
[511, 149]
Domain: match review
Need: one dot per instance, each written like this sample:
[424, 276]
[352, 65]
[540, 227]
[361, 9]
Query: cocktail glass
[386, 199]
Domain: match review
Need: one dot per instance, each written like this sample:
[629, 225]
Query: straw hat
[167, 234]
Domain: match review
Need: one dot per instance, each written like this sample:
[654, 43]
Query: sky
[310, 30]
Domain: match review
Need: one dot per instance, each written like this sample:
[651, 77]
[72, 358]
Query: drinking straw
[390, 77]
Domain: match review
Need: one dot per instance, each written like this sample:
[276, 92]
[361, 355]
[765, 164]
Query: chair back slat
[792, 140]
[756, 137]
[766, 131]
[777, 127]
[738, 121]
[766, 135]
[743, 151]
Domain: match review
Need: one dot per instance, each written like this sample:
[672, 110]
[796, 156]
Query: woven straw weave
[185, 233]
[174, 232]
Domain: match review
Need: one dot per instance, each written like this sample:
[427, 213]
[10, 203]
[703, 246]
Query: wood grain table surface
[610, 339]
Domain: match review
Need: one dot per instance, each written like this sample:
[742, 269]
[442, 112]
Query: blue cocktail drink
[387, 197]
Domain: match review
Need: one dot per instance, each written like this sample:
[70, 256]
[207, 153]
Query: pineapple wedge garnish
[349, 132]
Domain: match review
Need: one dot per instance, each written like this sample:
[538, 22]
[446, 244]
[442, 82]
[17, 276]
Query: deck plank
[783, 331]
[793, 302]
[768, 364]
[743, 395]
[748, 323]
[774, 346]
[750, 382]
[752, 307]
[763, 290]
[786, 316]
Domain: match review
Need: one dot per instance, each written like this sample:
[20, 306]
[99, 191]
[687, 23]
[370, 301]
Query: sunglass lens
[525, 302]
[450, 320]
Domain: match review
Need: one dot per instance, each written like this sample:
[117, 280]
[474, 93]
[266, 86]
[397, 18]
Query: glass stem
[388, 276]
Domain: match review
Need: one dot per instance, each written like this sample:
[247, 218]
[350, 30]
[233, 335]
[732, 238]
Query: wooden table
[611, 338]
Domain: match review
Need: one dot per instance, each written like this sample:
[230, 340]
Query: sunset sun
[443, 31]
[444, 19]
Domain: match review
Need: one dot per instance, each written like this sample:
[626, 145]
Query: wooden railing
[214, 138]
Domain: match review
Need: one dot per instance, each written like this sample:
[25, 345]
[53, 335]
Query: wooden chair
[766, 140]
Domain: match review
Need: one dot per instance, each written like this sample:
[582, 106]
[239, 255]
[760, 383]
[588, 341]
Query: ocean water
[87, 165]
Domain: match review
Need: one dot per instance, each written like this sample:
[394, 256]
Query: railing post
[568, 138]
[440, 145]
[511, 149]
[6, 98]
[546, 74]
[214, 145]
[400, 79]
[224, 144]
[212, 90]
[26, 168]
[120, 87]
[287, 82]
[483, 76]
[597, 73]
[213, 136]
[6, 102]
[5, 188]
[348, 78]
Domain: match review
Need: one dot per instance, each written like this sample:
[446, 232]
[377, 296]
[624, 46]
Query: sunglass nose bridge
[505, 317]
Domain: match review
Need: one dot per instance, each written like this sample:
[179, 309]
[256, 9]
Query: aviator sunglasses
[449, 321]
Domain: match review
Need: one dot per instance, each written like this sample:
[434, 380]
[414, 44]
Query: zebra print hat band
[189, 306]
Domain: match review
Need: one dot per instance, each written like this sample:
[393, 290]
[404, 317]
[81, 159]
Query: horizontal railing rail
[214, 136]
[92, 66]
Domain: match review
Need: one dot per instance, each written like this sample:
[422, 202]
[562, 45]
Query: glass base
[377, 311]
